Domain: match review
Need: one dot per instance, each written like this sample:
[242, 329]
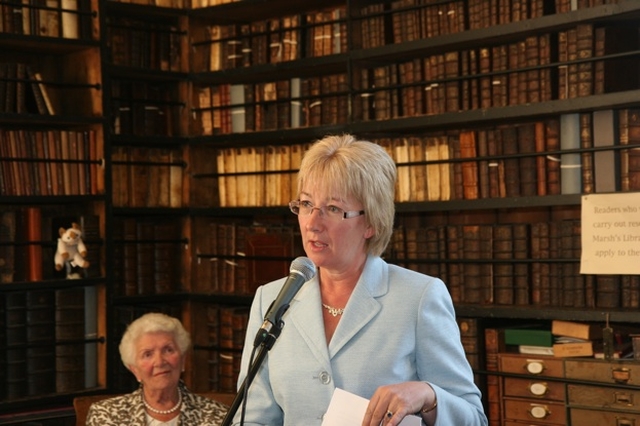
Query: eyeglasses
[305, 208]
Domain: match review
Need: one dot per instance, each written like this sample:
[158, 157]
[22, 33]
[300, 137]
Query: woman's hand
[391, 403]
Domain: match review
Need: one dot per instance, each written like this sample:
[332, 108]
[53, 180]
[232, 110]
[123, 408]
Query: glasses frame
[295, 205]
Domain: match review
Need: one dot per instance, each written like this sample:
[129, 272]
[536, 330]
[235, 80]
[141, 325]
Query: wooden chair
[81, 404]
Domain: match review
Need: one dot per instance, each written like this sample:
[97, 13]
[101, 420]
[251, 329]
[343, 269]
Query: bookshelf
[52, 319]
[483, 110]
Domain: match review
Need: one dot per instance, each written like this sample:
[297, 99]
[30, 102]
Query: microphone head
[303, 266]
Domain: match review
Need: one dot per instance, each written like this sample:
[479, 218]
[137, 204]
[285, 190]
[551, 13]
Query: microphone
[302, 270]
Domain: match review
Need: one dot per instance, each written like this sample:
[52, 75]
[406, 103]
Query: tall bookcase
[52, 175]
[493, 112]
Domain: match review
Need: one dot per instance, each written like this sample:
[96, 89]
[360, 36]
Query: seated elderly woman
[153, 348]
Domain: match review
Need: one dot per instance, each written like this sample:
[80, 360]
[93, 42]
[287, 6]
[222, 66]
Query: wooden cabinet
[547, 390]
[536, 398]
[615, 402]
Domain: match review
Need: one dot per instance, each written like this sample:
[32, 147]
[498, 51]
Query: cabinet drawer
[593, 396]
[625, 372]
[543, 412]
[535, 366]
[581, 417]
[533, 388]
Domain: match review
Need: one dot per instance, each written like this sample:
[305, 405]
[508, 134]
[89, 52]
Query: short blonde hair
[153, 322]
[348, 167]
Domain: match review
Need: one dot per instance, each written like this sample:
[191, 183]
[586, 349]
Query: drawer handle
[538, 388]
[621, 375]
[539, 411]
[623, 398]
[534, 367]
[625, 422]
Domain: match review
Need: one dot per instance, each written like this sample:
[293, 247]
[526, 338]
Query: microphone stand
[265, 347]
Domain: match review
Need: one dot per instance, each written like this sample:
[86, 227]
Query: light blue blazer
[398, 326]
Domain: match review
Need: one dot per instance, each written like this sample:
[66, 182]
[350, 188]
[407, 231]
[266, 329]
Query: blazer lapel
[362, 306]
[307, 318]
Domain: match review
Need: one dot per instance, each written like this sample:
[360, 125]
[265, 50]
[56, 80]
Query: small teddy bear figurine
[71, 251]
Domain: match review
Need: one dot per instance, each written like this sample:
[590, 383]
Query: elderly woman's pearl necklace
[169, 411]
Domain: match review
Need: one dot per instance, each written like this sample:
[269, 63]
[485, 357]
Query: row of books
[22, 90]
[219, 350]
[522, 264]
[50, 18]
[144, 108]
[507, 161]
[324, 32]
[51, 162]
[318, 33]
[147, 256]
[261, 186]
[281, 104]
[236, 258]
[42, 333]
[28, 241]
[230, 258]
[147, 177]
[535, 69]
[142, 44]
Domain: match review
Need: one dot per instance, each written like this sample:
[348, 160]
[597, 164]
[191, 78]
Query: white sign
[611, 234]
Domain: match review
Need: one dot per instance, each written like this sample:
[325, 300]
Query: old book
[633, 158]
[503, 274]
[401, 157]
[69, 325]
[521, 238]
[267, 254]
[527, 164]
[575, 329]
[49, 19]
[420, 180]
[144, 252]
[553, 158]
[470, 338]
[570, 169]
[604, 161]
[494, 345]
[483, 164]
[33, 221]
[45, 94]
[584, 47]
[471, 250]
[495, 164]
[469, 168]
[540, 159]
[573, 349]
[436, 176]
[40, 338]
[534, 334]
[587, 156]
[69, 19]
[512, 169]
[7, 251]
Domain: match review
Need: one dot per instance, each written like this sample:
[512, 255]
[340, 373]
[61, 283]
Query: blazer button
[325, 378]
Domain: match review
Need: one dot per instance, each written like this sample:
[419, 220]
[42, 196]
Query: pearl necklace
[169, 411]
[333, 311]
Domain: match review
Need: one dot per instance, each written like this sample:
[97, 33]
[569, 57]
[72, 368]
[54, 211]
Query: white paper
[610, 234]
[348, 409]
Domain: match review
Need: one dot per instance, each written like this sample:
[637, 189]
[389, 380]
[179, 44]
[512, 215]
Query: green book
[528, 336]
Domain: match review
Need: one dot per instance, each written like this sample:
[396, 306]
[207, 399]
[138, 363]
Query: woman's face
[158, 362]
[336, 245]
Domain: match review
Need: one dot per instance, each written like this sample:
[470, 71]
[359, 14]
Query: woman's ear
[369, 232]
